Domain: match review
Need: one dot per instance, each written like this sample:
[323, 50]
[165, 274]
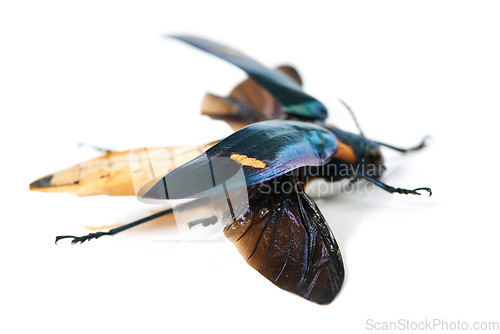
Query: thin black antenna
[353, 117]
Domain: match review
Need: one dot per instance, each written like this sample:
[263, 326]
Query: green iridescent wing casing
[281, 87]
[264, 150]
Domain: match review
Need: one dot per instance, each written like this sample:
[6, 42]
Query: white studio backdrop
[100, 72]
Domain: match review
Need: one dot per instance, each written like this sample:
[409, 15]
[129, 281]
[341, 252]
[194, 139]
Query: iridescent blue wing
[281, 87]
[262, 151]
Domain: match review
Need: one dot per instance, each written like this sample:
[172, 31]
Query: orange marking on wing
[246, 161]
[345, 152]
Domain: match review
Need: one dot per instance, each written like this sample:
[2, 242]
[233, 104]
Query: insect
[282, 142]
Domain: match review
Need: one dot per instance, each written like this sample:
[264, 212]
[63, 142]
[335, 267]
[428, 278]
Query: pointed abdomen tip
[44, 182]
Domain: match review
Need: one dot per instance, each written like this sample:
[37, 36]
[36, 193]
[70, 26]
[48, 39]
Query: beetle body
[282, 138]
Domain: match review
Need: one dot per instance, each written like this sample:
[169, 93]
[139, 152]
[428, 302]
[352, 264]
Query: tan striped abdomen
[118, 173]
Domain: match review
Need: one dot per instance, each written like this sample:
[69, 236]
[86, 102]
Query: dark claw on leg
[408, 191]
[82, 239]
[429, 190]
[194, 204]
[393, 190]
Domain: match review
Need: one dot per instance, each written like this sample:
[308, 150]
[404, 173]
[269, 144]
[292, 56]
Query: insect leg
[420, 146]
[204, 222]
[393, 190]
[96, 235]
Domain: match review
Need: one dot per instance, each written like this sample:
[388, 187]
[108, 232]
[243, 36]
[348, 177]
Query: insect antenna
[420, 146]
[353, 117]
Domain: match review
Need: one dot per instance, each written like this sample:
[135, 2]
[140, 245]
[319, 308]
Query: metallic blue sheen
[282, 145]
[280, 86]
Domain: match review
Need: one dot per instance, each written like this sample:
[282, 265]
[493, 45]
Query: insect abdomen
[117, 173]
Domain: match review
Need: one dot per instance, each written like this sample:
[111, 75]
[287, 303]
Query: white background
[100, 72]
